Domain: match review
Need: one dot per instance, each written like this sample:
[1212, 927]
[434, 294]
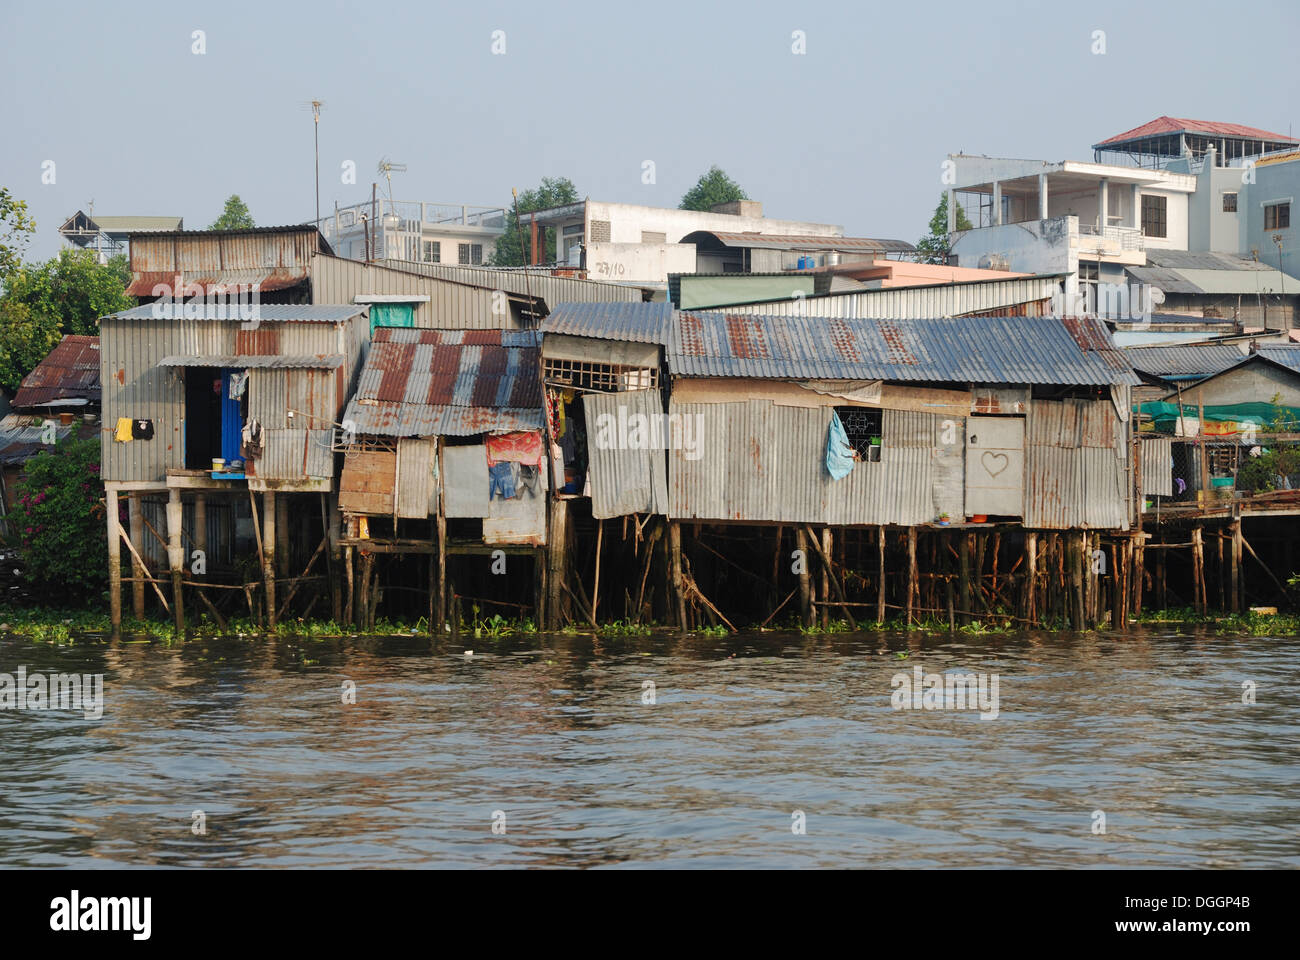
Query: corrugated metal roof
[1029, 295]
[532, 283]
[1163, 126]
[1016, 350]
[1248, 282]
[254, 361]
[69, 372]
[136, 224]
[1170, 281]
[418, 383]
[635, 322]
[1183, 361]
[266, 312]
[1201, 260]
[21, 434]
[154, 283]
[1288, 355]
[775, 241]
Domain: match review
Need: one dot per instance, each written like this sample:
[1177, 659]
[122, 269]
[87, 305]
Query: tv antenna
[387, 168]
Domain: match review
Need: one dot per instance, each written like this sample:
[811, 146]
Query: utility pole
[315, 114]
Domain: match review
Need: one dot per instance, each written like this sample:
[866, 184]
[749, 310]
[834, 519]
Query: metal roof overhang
[146, 284]
[257, 362]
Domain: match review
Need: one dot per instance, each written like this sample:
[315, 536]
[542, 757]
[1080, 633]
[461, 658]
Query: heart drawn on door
[994, 463]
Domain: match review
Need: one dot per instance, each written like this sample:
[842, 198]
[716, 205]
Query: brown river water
[758, 750]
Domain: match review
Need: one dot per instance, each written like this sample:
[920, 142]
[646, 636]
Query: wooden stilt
[440, 587]
[825, 592]
[880, 576]
[176, 555]
[1198, 569]
[1235, 528]
[114, 558]
[595, 587]
[675, 571]
[964, 542]
[350, 594]
[136, 521]
[911, 571]
[268, 554]
[1076, 559]
[1031, 576]
[805, 577]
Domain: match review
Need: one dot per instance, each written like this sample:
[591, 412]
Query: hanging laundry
[250, 446]
[123, 432]
[142, 429]
[530, 481]
[238, 381]
[519, 447]
[502, 480]
[839, 452]
[557, 465]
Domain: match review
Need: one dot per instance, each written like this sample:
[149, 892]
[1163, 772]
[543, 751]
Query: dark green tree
[43, 301]
[235, 216]
[16, 229]
[59, 521]
[933, 247]
[713, 188]
[510, 250]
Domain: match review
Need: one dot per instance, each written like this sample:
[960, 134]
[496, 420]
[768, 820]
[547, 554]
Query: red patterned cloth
[521, 447]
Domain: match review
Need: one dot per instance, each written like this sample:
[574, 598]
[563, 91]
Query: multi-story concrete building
[417, 232]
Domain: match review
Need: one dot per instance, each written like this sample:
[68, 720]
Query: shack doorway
[995, 466]
[214, 418]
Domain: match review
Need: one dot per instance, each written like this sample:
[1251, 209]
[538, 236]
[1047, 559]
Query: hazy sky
[851, 132]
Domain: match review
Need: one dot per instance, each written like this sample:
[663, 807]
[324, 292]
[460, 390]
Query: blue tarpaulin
[839, 452]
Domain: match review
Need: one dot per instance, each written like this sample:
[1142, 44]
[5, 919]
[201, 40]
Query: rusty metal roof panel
[266, 312]
[256, 361]
[70, 372]
[632, 322]
[155, 283]
[972, 349]
[418, 383]
[21, 436]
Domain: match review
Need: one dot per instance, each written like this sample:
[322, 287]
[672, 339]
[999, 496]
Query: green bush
[59, 521]
[1261, 473]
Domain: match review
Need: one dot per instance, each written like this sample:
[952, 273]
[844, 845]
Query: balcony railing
[1113, 238]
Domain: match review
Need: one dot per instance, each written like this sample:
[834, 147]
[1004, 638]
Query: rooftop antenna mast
[315, 116]
[388, 168]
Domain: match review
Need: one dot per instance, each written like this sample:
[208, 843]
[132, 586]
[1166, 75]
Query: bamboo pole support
[268, 553]
[114, 557]
[176, 555]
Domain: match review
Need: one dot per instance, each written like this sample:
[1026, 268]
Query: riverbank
[54, 625]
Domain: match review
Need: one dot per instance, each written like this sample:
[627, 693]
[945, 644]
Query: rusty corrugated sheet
[448, 382]
[275, 257]
[760, 461]
[21, 436]
[69, 372]
[1075, 470]
[627, 475]
[415, 475]
[1157, 466]
[981, 350]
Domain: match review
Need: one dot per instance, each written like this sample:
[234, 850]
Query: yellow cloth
[123, 434]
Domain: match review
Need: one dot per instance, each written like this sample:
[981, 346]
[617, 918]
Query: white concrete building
[418, 232]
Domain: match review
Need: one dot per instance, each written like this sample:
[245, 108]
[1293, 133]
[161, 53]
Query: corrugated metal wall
[214, 253]
[551, 289]
[1075, 468]
[137, 388]
[450, 306]
[417, 466]
[624, 480]
[761, 461]
[941, 300]
[1157, 466]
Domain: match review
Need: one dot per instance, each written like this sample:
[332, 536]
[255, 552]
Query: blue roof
[635, 322]
[1183, 362]
[984, 350]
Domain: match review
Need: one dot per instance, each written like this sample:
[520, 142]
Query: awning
[257, 362]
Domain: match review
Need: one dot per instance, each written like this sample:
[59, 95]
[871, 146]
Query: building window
[432, 251]
[862, 425]
[462, 253]
[1154, 216]
[1277, 216]
[1229, 203]
[470, 253]
[602, 377]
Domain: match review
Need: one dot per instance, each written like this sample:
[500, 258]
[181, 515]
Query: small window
[1154, 216]
[462, 253]
[432, 251]
[1089, 271]
[1229, 203]
[476, 253]
[1277, 216]
[862, 424]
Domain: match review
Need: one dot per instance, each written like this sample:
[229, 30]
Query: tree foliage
[933, 247]
[43, 301]
[713, 187]
[234, 216]
[59, 520]
[552, 192]
[16, 229]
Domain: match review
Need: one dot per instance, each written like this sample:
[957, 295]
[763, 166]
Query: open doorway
[214, 419]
